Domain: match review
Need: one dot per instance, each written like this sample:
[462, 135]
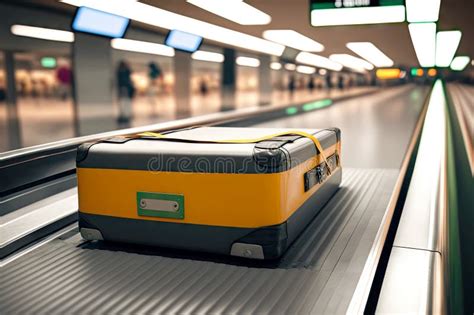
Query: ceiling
[393, 39]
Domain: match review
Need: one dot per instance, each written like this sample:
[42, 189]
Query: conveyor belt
[318, 274]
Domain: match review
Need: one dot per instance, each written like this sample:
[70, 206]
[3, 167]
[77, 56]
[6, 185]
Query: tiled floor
[46, 119]
[375, 129]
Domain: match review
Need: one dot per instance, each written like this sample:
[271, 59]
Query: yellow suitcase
[241, 191]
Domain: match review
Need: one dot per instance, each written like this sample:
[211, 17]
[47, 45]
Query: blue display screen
[99, 23]
[183, 41]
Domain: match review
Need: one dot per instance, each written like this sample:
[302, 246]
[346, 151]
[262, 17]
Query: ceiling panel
[393, 39]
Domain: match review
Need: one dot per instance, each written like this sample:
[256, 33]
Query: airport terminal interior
[236, 157]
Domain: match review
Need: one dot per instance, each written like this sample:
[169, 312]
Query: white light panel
[42, 33]
[142, 47]
[169, 20]
[318, 61]
[423, 37]
[234, 10]
[207, 56]
[293, 39]
[371, 53]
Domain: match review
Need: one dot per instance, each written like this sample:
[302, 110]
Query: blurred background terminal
[76, 67]
[396, 76]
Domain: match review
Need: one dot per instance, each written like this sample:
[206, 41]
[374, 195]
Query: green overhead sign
[48, 62]
[353, 12]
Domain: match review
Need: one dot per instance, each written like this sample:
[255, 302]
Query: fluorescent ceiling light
[234, 10]
[460, 63]
[207, 56]
[423, 37]
[371, 53]
[275, 65]
[322, 71]
[165, 19]
[42, 33]
[423, 10]
[247, 62]
[352, 62]
[392, 73]
[142, 47]
[354, 16]
[305, 69]
[447, 43]
[318, 61]
[290, 66]
[293, 39]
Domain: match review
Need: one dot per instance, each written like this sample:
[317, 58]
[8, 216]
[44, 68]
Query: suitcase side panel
[218, 199]
[273, 240]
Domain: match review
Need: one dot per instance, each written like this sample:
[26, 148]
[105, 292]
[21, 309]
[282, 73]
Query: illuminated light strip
[417, 72]
[371, 53]
[42, 33]
[234, 10]
[275, 66]
[317, 104]
[355, 16]
[290, 66]
[423, 37]
[459, 63]
[352, 62]
[423, 10]
[291, 110]
[447, 43]
[305, 69]
[385, 74]
[247, 62]
[293, 39]
[432, 72]
[165, 19]
[318, 61]
[141, 47]
[207, 56]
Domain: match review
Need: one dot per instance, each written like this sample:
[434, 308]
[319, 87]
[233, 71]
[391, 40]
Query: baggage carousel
[320, 273]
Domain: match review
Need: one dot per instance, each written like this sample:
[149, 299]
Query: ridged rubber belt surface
[253, 140]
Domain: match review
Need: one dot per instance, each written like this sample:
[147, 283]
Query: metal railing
[414, 265]
[414, 279]
[365, 296]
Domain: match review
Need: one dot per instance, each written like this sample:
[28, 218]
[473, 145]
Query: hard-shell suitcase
[241, 191]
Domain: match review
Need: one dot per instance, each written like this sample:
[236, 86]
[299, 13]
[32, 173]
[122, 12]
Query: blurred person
[126, 91]
[311, 85]
[3, 91]
[64, 77]
[340, 82]
[292, 84]
[328, 82]
[155, 75]
[203, 89]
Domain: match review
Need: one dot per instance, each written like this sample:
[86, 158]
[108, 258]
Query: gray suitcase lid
[193, 152]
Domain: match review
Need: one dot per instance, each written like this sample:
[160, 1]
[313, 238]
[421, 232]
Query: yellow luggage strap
[315, 140]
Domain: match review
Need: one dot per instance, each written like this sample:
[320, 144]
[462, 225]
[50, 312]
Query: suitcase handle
[315, 140]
